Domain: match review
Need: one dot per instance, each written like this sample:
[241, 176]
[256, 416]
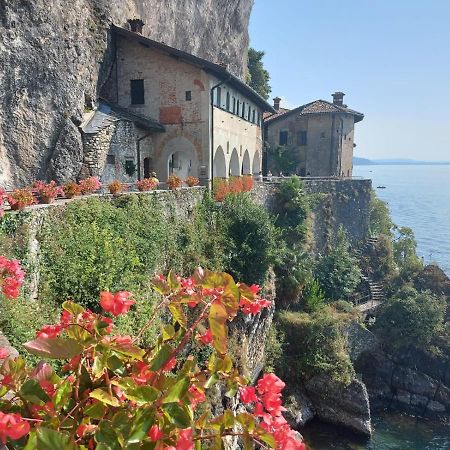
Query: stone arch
[235, 168]
[178, 157]
[220, 164]
[257, 163]
[246, 169]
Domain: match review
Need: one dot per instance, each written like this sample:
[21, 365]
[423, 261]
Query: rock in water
[346, 406]
[54, 58]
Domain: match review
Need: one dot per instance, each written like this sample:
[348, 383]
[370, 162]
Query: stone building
[320, 135]
[171, 112]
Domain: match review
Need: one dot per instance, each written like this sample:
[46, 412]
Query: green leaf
[212, 380]
[128, 349]
[177, 415]
[177, 391]
[48, 439]
[95, 411]
[267, 438]
[72, 308]
[217, 322]
[55, 348]
[63, 394]
[161, 357]
[141, 424]
[172, 281]
[142, 395]
[104, 397]
[115, 364]
[178, 314]
[105, 434]
[31, 390]
[32, 441]
[168, 332]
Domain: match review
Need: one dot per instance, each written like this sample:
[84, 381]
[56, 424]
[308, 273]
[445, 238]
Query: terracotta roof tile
[316, 107]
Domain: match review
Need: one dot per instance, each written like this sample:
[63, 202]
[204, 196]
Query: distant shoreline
[369, 162]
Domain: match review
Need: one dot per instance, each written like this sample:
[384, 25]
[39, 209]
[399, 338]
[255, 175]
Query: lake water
[390, 432]
[418, 197]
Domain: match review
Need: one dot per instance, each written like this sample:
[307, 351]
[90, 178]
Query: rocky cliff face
[54, 59]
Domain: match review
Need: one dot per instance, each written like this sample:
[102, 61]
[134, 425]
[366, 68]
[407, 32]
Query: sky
[390, 57]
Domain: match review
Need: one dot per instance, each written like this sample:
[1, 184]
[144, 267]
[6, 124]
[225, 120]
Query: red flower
[144, 374]
[4, 353]
[248, 394]
[12, 426]
[116, 304]
[49, 331]
[48, 387]
[155, 434]
[169, 365]
[270, 383]
[196, 396]
[206, 338]
[185, 441]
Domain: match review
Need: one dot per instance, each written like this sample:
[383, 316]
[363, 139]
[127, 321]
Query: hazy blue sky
[391, 58]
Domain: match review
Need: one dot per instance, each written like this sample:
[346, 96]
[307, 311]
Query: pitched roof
[316, 107]
[107, 113]
[218, 70]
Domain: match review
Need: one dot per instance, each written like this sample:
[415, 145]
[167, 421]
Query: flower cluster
[147, 184]
[192, 181]
[116, 187]
[47, 191]
[12, 426]
[174, 182]
[11, 277]
[90, 185]
[111, 393]
[20, 198]
[71, 189]
[234, 185]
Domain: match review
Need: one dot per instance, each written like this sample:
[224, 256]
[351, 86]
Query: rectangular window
[228, 101]
[219, 97]
[302, 138]
[322, 135]
[137, 92]
[284, 137]
[188, 96]
[238, 107]
[243, 110]
[254, 116]
[249, 113]
[234, 105]
[110, 159]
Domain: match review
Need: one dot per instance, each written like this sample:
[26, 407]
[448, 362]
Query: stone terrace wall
[343, 202]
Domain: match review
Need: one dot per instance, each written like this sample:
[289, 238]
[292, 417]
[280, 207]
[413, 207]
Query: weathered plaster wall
[339, 202]
[54, 58]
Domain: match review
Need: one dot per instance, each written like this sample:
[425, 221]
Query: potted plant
[191, 181]
[147, 184]
[71, 189]
[47, 192]
[116, 187]
[174, 182]
[90, 185]
[20, 198]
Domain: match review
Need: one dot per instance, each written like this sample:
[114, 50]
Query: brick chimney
[338, 98]
[276, 103]
[136, 25]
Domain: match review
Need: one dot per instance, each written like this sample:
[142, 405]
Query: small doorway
[148, 167]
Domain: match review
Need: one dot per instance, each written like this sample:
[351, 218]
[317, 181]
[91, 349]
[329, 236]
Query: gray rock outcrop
[346, 406]
[54, 58]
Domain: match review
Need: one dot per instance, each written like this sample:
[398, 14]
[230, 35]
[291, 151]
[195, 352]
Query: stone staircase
[376, 289]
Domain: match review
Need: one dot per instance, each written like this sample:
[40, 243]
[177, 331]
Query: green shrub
[338, 272]
[315, 344]
[313, 297]
[411, 318]
[250, 238]
[274, 349]
[380, 218]
[405, 255]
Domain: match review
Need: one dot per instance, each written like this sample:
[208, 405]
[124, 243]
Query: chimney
[136, 25]
[338, 98]
[276, 103]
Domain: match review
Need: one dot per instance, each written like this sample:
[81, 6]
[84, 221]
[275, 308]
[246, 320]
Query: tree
[257, 76]
[338, 272]
[411, 318]
[283, 158]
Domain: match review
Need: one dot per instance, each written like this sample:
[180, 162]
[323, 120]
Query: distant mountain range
[357, 161]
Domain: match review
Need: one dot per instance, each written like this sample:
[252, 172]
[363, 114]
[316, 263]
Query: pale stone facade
[320, 133]
[175, 91]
